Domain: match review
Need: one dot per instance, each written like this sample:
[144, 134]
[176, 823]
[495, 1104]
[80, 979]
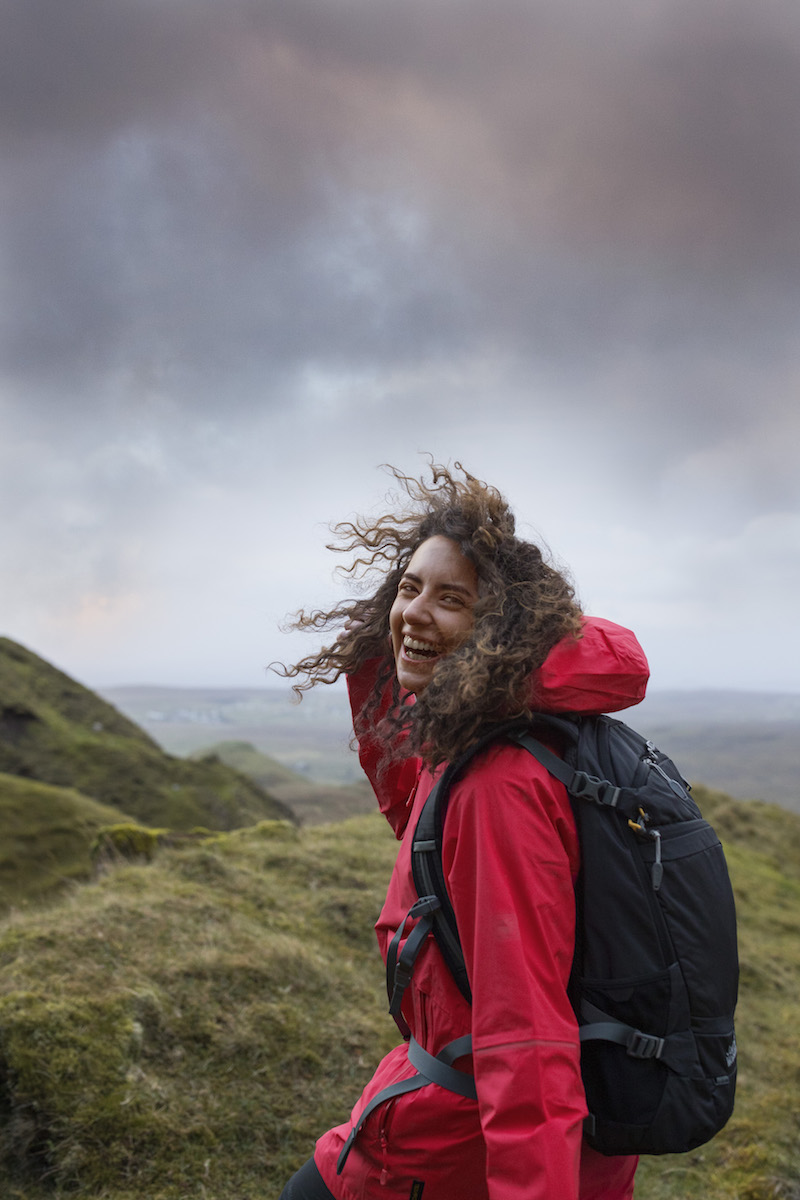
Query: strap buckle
[645, 1045]
[425, 906]
[589, 787]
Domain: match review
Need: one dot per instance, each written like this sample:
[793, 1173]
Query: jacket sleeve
[604, 669]
[510, 855]
[393, 780]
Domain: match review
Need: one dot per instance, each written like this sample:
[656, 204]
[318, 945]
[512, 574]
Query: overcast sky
[251, 250]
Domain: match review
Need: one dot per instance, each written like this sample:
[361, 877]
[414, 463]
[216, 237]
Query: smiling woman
[466, 628]
[506, 610]
[433, 611]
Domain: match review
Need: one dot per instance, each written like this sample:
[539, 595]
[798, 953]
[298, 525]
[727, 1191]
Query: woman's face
[432, 613]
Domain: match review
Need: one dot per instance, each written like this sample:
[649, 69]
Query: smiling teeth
[412, 644]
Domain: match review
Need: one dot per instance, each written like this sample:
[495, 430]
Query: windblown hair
[525, 606]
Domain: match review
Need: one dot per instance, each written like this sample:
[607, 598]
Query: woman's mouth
[417, 651]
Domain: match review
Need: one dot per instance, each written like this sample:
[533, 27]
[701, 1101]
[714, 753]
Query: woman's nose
[416, 611]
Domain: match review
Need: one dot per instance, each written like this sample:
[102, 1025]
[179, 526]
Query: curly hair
[524, 607]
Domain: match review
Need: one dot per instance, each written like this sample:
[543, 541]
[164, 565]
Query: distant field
[745, 743]
[311, 738]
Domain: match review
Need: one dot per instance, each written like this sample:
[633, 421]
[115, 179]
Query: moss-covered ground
[47, 834]
[189, 1027]
[186, 1028]
[313, 803]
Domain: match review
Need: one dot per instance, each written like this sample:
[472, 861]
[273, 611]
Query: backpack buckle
[645, 1045]
[589, 787]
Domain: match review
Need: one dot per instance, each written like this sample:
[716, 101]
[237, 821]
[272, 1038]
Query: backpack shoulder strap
[426, 854]
[579, 784]
[429, 880]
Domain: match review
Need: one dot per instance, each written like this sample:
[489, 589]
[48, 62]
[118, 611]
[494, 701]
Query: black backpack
[655, 973]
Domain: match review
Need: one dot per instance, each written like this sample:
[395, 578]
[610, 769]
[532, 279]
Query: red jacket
[510, 854]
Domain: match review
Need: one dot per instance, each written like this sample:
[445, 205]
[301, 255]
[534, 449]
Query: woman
[481, 630]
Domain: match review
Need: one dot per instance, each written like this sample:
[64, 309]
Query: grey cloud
[189, 186]
[80, 71]
[205, 203]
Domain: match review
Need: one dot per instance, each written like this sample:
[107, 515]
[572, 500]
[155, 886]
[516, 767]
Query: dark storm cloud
[191, 186]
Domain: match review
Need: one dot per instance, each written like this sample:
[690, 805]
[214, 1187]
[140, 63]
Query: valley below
[744, 743]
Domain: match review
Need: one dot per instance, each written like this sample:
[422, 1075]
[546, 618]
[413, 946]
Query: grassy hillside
[187, 1028]
[312, 803]
[47, 833]
[54, 730]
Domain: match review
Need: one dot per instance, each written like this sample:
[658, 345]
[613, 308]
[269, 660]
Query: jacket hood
[603, 669]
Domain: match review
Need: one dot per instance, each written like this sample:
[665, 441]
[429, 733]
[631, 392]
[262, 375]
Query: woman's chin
[414, 676]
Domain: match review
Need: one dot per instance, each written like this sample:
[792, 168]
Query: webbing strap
[638, 1044]
[604, 1028]
[439, 1070]
[577, 783]
[677, 1051]
[430, 1069]
[398, 969]
[388, 1093]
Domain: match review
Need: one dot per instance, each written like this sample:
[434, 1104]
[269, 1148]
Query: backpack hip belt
[430, 1069]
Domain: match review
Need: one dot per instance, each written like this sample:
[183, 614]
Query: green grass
[189, 1027]
[47, 834]
[194, 1024]
[244, 757]
[757, 1155]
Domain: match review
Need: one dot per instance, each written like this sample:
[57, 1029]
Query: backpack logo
[730, 1057]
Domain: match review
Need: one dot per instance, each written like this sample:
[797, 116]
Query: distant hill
[55, 731]
[312, 802]
[742, 742]
[745, 743]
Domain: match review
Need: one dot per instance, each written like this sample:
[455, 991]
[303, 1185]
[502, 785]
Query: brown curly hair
[525, 606]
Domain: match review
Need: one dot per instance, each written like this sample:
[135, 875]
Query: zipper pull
[658, 869]
[640, 827]
[654, 765]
